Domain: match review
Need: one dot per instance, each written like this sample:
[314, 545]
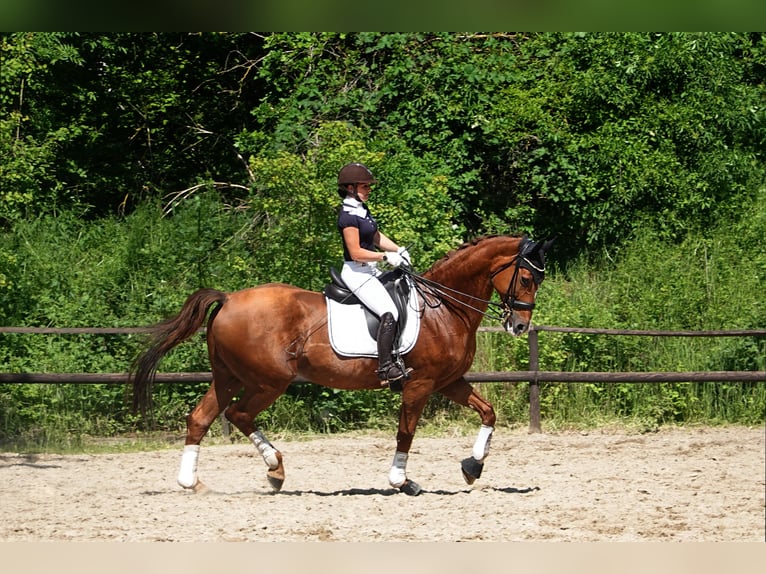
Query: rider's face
[363, 190]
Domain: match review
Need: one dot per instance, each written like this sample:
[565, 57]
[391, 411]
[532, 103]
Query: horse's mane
[469, 243]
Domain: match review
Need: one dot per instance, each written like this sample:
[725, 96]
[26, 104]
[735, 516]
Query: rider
[361, 240]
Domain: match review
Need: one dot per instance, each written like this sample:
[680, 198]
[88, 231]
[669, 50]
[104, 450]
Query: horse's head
[517, 282]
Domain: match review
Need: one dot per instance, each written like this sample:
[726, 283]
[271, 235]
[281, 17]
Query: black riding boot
[389, 370]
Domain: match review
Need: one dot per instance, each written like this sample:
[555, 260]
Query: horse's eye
[526, 282]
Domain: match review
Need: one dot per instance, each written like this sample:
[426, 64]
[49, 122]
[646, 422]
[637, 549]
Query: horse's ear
[547, 245]
[525, 244]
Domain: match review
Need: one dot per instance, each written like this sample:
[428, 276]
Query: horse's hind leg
[220, 393]
[242, 414]
[462, 393]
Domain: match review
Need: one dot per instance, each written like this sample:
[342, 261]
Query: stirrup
[393, 374]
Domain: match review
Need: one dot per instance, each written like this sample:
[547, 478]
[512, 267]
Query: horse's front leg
[462, 393]
[413, 403]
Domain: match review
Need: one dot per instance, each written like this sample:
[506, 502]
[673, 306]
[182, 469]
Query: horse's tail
[164, 337]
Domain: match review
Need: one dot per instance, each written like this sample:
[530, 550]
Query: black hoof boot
[411, 488]
[471, 469]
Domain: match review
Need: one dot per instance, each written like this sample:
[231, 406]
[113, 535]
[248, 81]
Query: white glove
[393, 258]
[405, 255]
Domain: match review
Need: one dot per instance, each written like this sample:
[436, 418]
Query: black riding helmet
[351, 174]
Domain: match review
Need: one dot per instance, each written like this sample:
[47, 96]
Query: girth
[396, 285]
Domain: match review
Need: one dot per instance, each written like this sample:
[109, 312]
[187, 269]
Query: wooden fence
[534, 376]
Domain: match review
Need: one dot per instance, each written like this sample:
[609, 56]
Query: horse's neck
[468, 269]
[466, 279]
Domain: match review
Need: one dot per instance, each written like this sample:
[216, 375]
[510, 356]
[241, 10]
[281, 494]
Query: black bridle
[510, 302]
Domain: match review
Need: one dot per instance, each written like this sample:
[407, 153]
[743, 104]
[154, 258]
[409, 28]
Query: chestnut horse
[262, 338]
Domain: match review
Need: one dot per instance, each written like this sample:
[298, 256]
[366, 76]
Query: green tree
[584, 135]
[103, 121]
[29, 158]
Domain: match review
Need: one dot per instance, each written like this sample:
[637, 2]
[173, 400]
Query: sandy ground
[701, 484]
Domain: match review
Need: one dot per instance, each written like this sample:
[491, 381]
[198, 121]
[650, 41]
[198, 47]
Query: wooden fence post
[225, 426]
[534, 387]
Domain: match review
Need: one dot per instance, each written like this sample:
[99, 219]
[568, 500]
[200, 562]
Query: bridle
[503, 310]
[510, 303]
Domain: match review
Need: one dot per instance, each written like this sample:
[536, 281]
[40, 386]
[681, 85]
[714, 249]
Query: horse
[262, 338]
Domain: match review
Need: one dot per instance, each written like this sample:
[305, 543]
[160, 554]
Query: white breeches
[362, 279]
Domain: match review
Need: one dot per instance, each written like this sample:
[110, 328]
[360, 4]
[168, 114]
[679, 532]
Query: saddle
[396, 285]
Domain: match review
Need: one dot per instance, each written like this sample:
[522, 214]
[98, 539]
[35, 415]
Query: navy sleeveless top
[354, 213]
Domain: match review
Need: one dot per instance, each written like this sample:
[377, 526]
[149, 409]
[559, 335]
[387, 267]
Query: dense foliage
[138, 167]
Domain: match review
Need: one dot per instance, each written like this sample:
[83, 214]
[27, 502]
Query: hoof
[471, 469]
[410, 488]
[276, 476]
[275, 482]
[199, 488]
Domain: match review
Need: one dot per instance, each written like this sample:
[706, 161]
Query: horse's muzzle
[515, 326]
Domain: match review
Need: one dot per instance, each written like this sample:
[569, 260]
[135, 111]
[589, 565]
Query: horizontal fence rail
[583, 330]
[77, 330]
[534, 376]
[635, 332]
[471, 377]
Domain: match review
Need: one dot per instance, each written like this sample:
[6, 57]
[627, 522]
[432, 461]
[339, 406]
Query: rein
[439, 292]
[502, 310]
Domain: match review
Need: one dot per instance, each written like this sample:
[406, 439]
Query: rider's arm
[385, 243]
[351, 237]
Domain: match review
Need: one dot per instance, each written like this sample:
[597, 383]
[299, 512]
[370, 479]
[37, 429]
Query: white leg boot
[267, 450]
[187, 474]
[397, 476]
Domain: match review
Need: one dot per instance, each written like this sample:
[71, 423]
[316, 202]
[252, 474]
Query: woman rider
[361, 241]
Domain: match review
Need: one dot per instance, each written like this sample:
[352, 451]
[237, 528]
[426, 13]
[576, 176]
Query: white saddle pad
[350, 337]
